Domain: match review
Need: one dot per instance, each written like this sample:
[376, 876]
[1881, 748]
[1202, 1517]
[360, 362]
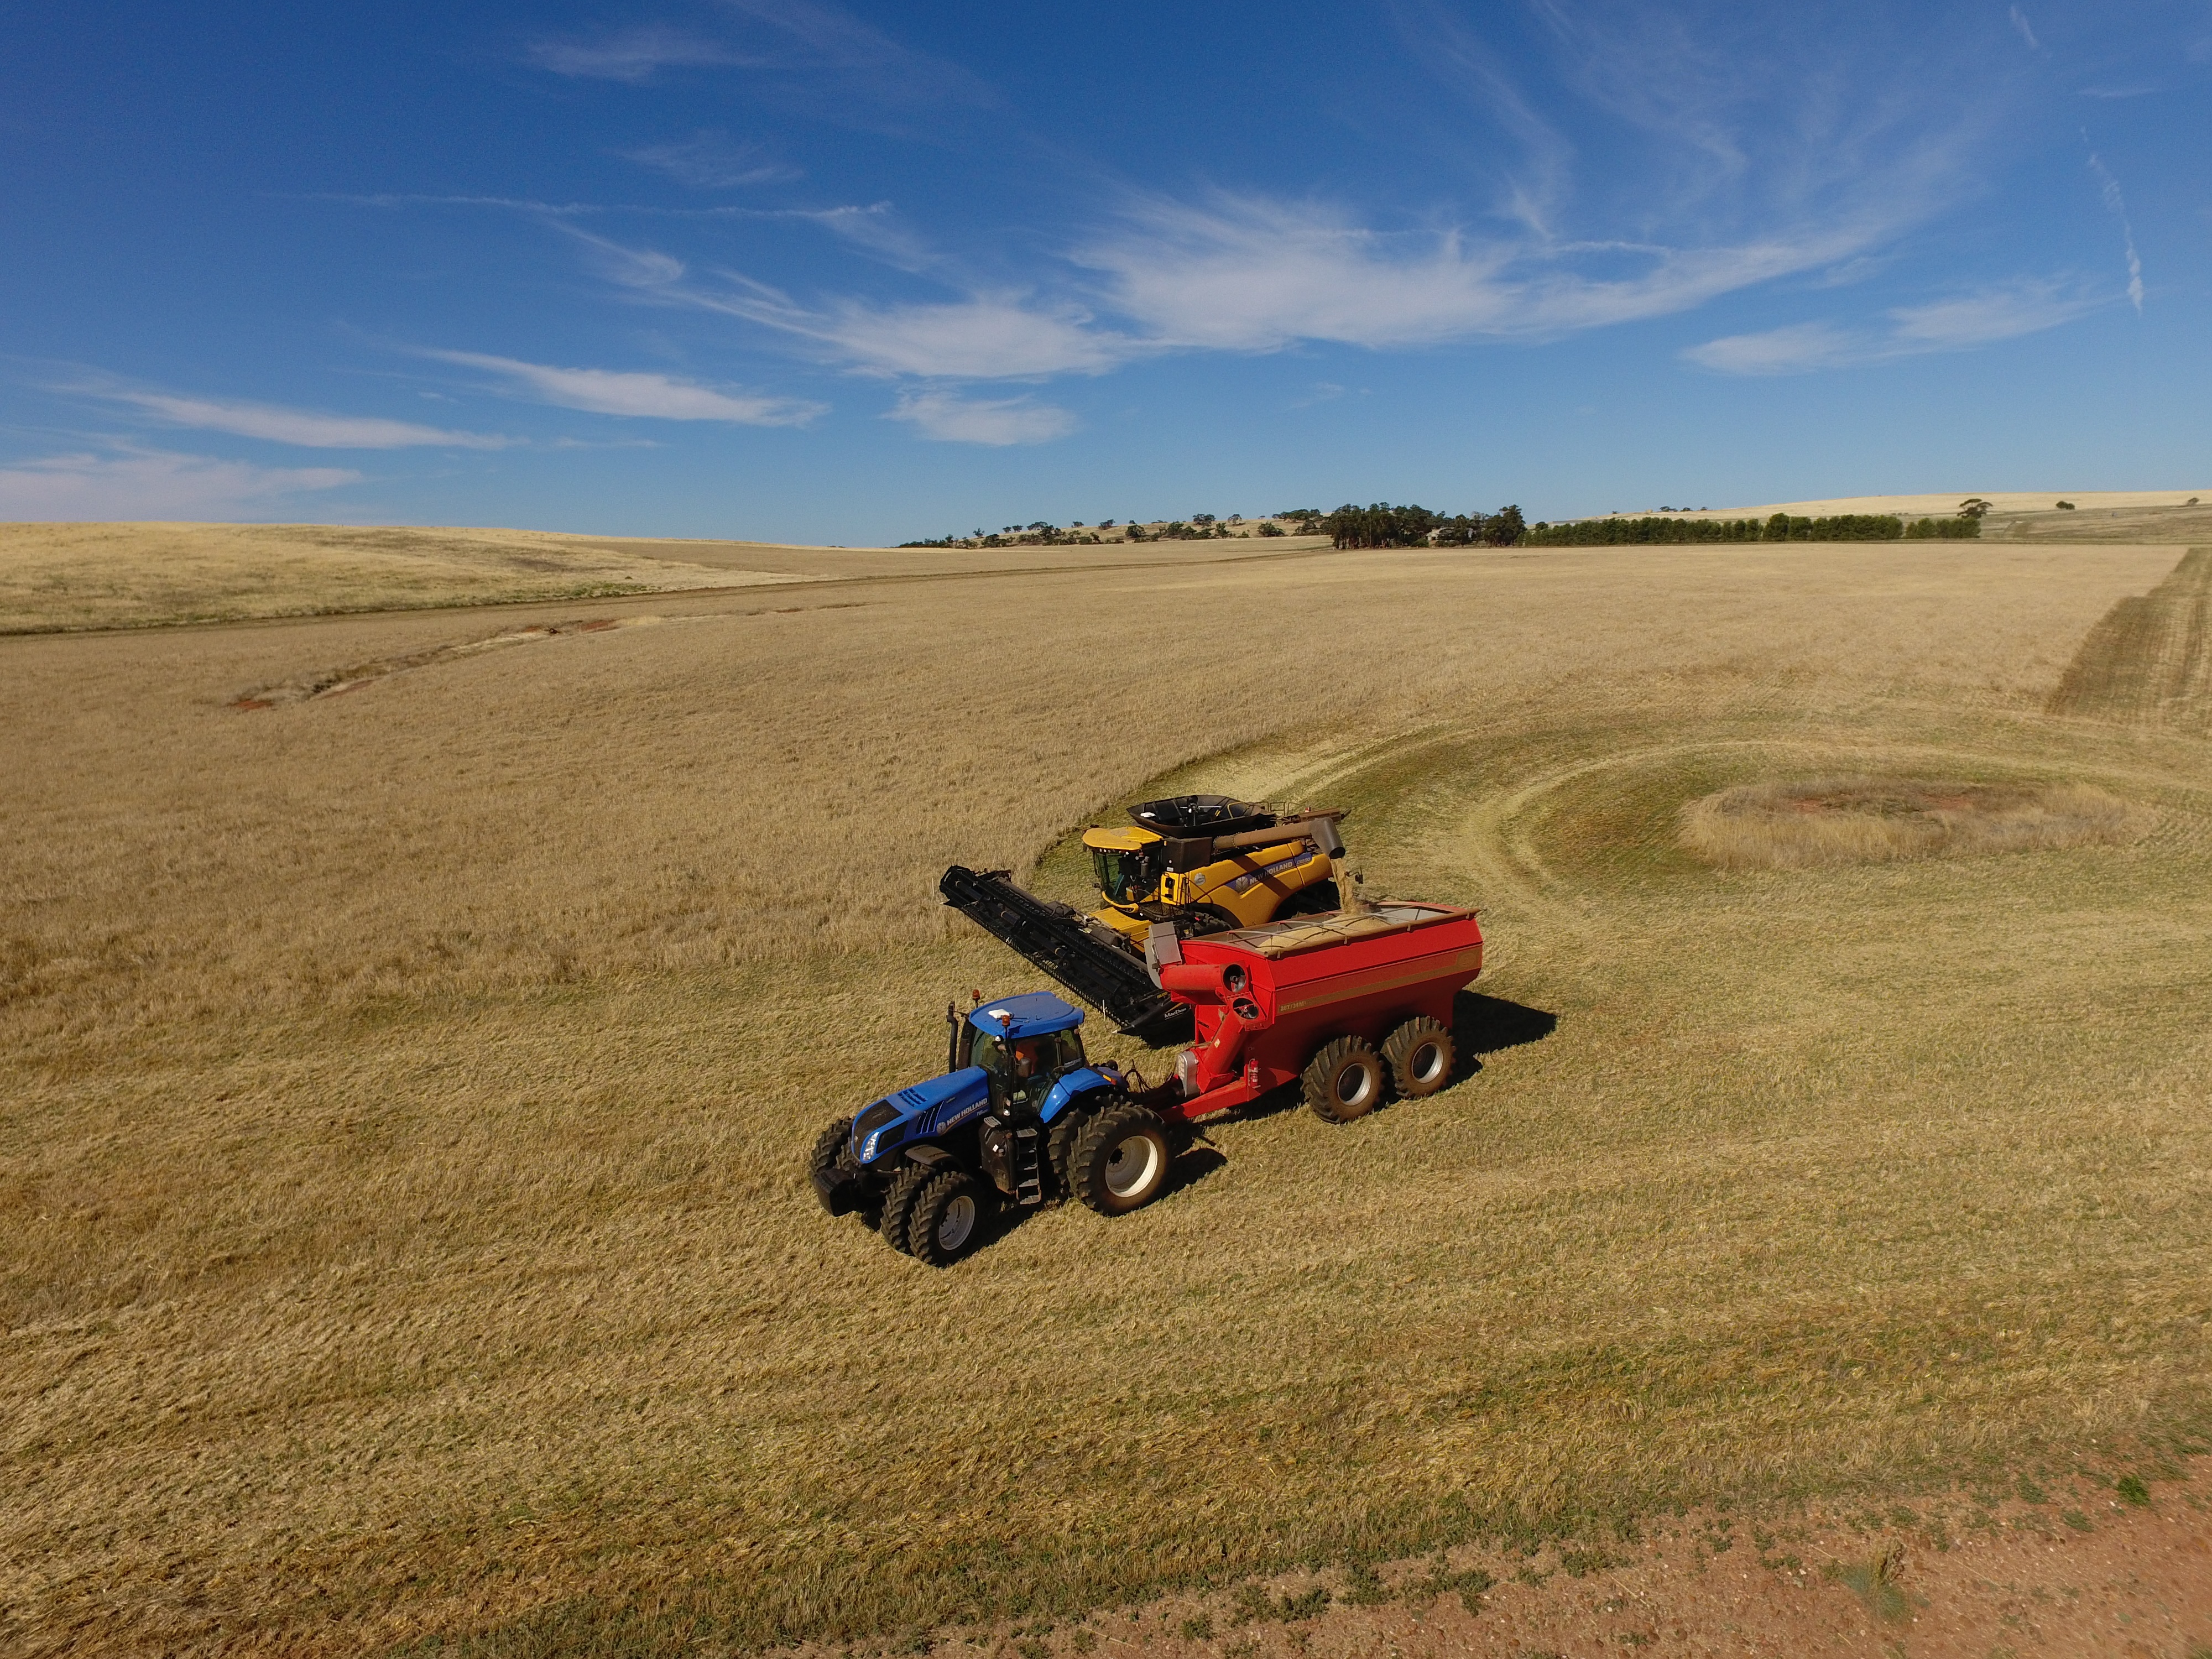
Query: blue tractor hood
[1033, 1014]
[920, 1110]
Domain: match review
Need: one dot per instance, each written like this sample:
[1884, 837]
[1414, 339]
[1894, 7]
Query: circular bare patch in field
[1861, 820]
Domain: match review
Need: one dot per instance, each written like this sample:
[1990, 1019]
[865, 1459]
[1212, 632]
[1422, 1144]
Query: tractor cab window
[1124, 878]
[1037, 1059]
[1022, 1070]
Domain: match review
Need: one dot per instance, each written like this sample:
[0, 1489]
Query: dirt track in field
[2149, 659]
[2081, 1572]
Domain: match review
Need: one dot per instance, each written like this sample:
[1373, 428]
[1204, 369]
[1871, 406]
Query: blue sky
[776, 268]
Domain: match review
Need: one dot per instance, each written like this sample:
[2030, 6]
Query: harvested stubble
[406, 1092]
[1861, 820]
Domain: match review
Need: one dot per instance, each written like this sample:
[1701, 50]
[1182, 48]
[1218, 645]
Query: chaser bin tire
[898, 1204]
[1120, 1160]
[1345, 1080]
[1420, 1054]
[948, 1218]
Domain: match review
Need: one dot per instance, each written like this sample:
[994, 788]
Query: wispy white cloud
[2026, 30]
[1250, 274]
[1792, 350]
[1959, 324]
[802, 39]
[1995, 313]
[951, 418]
[633, 55]
[709, 160]
[304, 427]
[2117, 205]
[151, 483]
[613, 391]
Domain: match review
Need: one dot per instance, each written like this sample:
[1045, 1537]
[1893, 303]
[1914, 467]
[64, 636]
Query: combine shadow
[1484, 1025]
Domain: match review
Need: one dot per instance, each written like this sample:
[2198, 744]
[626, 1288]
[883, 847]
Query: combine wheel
[1120, 1159]
[898, 1204]
[1420, 1056]
[947, 1218]
[1344, 1080]
[1314, 901]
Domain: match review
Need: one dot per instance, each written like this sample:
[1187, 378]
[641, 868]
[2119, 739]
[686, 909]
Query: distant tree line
[1382, 524]
[1781, 527]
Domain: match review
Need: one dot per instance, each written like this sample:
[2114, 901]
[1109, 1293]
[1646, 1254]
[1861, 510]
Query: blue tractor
[1020, 1115]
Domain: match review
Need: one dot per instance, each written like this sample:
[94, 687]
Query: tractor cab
[1022, 1044]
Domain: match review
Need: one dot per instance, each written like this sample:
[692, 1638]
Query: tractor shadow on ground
[1193, 1161]
[1485, 1024]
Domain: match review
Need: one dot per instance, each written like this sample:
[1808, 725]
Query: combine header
[1203, 863]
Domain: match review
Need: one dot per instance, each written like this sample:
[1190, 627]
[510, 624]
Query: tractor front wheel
[1060, 1146]
[1120, 1160]
[832, 1160]
[948, 1218]
[898, 1204]
[1420, 1056]
[1345, 1080]
[832, 1156]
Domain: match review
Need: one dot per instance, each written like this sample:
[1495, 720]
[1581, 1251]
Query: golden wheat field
[414, 1023]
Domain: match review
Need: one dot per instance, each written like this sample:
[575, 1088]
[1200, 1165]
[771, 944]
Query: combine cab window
[1121, 876]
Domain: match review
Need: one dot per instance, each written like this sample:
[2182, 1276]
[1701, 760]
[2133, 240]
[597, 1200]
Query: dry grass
[58, 577]
[406, 1090]
[1861, 820]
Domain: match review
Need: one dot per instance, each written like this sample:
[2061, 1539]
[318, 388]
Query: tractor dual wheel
[948, 1218]
[1420, 1055]
[1345, 1080]
[833, 1153]
[1120, 1159]
[833, 1156]
[1060, 1147]
[898, 1204]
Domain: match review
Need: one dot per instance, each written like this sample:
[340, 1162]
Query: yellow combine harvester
[1207, 863]
[1203, 864]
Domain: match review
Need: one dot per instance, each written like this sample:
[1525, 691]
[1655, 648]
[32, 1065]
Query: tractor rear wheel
[1345, 1080]
[898, 1204]
[1420, 1056]
[1120, 1160]
[948, 1218]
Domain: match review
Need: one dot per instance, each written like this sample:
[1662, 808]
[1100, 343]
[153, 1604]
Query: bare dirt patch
[2082, 1566]
[1861, 820]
